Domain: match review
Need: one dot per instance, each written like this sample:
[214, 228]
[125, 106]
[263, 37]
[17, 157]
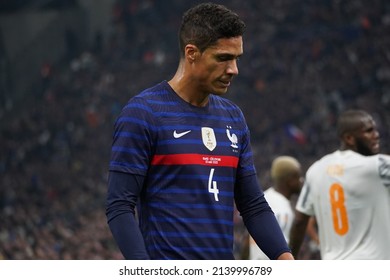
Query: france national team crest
[208, 138]
[232, 137]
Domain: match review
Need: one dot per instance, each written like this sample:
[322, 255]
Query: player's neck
[187, 90]
[283, 191]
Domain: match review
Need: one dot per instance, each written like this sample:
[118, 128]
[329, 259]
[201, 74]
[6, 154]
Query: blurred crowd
[304, 62]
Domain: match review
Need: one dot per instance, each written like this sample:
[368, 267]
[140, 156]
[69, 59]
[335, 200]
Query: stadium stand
[304, 62]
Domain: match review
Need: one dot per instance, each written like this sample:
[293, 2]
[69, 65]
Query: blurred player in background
[348, 192]
[286, 174]
[182, 152]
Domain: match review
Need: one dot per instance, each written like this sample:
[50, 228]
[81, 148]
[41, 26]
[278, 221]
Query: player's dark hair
[350, 120]
[205, 23]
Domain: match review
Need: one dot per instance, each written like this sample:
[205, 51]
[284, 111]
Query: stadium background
[67, 67]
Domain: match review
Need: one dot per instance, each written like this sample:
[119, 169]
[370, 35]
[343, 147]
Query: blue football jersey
[190, 157]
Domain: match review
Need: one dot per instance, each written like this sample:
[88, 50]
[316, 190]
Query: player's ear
[191, 52]
[349, 139]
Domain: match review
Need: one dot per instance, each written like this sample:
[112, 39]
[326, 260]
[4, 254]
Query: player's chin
[375, 150]
[221, 89]
[375, 147]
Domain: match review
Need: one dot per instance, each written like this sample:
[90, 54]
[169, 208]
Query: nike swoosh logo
[178, 135]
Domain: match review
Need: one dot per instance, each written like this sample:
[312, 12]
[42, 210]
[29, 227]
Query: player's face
[367, 138]
[217, 65]
[296, 181]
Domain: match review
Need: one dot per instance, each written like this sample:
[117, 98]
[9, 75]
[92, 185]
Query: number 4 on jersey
[213, 185]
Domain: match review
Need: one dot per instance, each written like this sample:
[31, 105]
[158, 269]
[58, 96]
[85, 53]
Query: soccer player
[348, 192]
[181, 153]
[286, 174]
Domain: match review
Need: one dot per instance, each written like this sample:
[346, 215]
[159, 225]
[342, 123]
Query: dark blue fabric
[186, 204]
[123, 191]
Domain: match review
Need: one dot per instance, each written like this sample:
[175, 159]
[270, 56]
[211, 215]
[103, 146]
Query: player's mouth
[225, 83]
[375, 145]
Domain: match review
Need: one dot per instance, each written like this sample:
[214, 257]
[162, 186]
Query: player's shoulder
[323, 160]
[154, 92]
[146, 101]
[350, 157]
[383, 157]
[384, 168]
[150, 98]
[318, 166]
[269, 192]
[272, 194]
[339, 156]
[223, 103]
[378, 159]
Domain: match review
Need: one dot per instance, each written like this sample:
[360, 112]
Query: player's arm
[298, 231]
[259, 218]
[312, 230]
[122, 195]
